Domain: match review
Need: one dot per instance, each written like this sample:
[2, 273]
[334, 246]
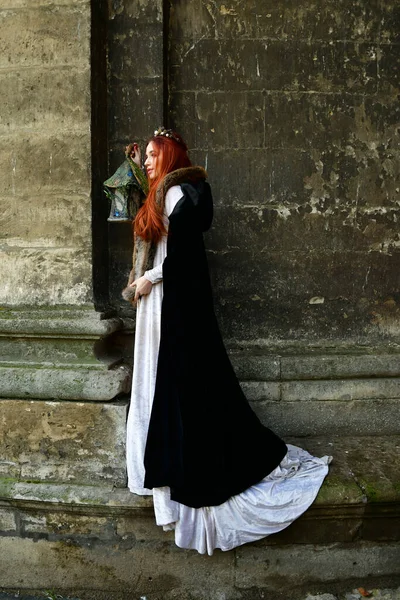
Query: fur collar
[144, 252]
[185, 175]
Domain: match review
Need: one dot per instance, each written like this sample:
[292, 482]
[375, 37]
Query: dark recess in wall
[99, 152]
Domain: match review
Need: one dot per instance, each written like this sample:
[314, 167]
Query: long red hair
[172, 155]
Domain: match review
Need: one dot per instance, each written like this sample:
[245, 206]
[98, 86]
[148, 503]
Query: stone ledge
[322, 417]
[104, 540]
[342, 390]
[61, 353]
[64, 383]
[296, 363]
[69, 497]
[359, 500]
[60, 321]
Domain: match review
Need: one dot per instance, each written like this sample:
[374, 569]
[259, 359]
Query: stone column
[54, 345]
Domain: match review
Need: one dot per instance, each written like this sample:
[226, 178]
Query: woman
[218, 476]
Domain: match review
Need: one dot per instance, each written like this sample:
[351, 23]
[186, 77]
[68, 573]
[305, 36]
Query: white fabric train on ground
[263, 509]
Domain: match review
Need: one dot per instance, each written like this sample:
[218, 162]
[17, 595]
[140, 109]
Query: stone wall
[59, 368]
[293, 109]
[45, 157]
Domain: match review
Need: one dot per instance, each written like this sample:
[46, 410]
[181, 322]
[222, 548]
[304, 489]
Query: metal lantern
[123, 189]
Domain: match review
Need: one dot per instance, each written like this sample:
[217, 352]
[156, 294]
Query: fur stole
[144, 251]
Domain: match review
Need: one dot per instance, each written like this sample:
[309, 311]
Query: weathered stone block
[143, 529]
[354, 123]
[366, 180]
[183, 118]
[330, 528]
[61, 353]
[352, 21]
[63, 322]
[283, 66]
[272, 21]
[390, 23]
[115, 567]
[310, 120]
[7, 520]
[45, 35]
[68, 442]
[66, 107]
[388, 526]
[229, 120]
[274, 567]
[67, 524]
[389, 62]
[63, 383]
[376, 474]
[193, 20]
[360, 474]
[340, 489]
[49, 352]
[344, 390]
[41, 3]
[306, 296]
[131, 13]
[306, 185]
[47, 162]
[33, 523]
[45, 276]
[44, 220]
[255, 367]
[286, 362]
[260, 391]
[259, 177]
[131, 59]
[89, 498]
[280, 226]
[126, 126]
[326, 417]
[339, 366]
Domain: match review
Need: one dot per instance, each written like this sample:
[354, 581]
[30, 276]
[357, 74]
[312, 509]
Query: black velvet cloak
[204, 440]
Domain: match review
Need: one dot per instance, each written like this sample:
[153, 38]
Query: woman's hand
[133, 151]
[143, 287]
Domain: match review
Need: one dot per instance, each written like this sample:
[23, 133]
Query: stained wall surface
[293, 109]
[45, 156]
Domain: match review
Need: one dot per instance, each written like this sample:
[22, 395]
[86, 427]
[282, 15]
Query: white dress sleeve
[172, 197]
[154, 275]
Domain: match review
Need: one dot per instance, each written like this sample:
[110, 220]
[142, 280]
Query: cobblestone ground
[355, 594]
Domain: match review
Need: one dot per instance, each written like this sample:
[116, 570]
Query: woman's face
[152, 161]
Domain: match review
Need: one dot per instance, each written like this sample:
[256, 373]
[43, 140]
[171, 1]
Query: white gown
[265, 508]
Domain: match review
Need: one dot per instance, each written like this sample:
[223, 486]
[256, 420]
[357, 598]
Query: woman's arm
[155, 275]
[172, 197]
